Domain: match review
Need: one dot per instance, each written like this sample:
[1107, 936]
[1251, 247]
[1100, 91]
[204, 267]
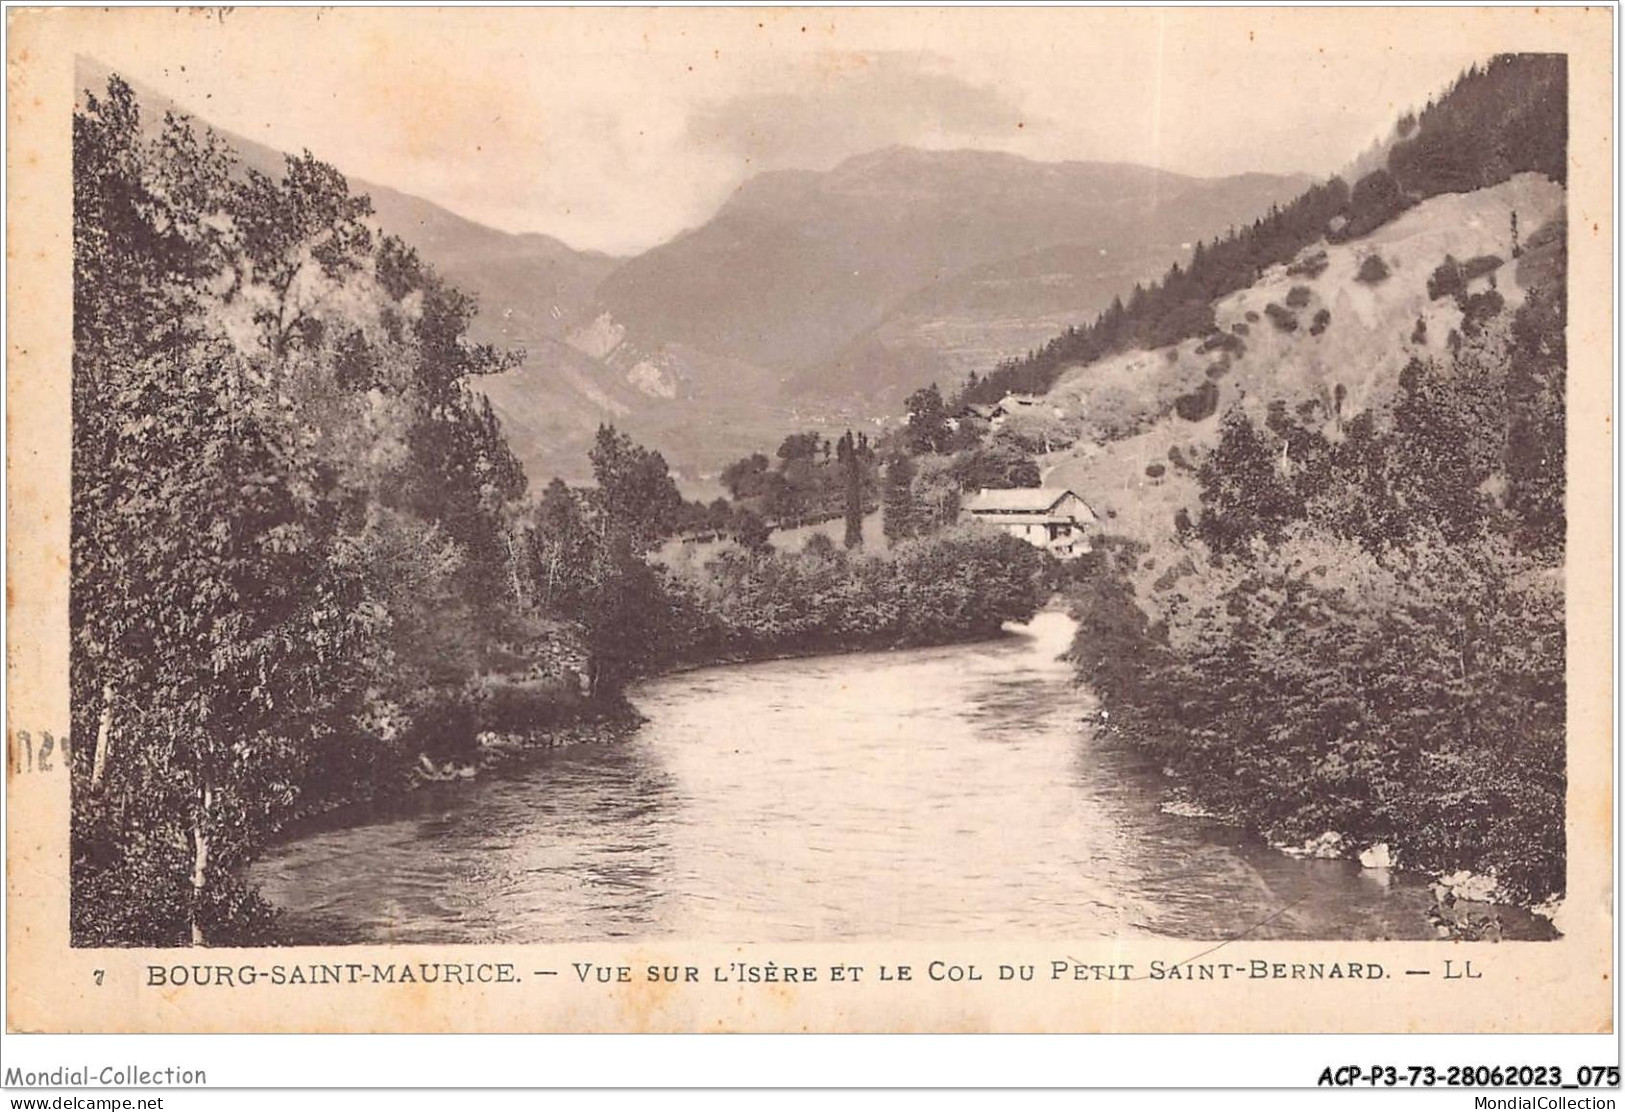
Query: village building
[1053, 519]
[1011, 405]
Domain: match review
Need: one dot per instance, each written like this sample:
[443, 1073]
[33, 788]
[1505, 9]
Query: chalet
[1056, 520]
[1009, 406]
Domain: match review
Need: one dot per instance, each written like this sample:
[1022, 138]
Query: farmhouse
[1052, 519]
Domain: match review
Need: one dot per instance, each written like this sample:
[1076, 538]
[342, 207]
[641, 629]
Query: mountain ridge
[808, 297]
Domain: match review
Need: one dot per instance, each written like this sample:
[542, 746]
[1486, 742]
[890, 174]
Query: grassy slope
[1364, 348]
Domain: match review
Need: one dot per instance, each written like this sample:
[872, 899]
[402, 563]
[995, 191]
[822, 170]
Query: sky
[614, 130]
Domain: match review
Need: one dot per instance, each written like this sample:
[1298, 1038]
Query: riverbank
[580, 722]
[942, 792]
[1466, 906]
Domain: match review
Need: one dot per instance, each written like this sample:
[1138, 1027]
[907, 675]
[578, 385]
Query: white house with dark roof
[1055, 520]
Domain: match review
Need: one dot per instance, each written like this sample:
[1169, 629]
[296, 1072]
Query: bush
[1155, 470]
[1377, 198]
[521, 707]
[1478, 308]
[1223, 342]
[1240, 328]
[1284, 319]
[1480, 265]
[446, 729]
[1311, 266]
[1218, 370]
[1419, 334]
[1298, 297]
[1446, 280]
[1199, 404]
[1323, 320]
[957, 582]
[1372, 270]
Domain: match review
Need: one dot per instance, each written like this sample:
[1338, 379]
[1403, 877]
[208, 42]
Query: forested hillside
[1510, 116]
[1331, 453]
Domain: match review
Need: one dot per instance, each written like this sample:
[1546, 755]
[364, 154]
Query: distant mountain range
[811, 298]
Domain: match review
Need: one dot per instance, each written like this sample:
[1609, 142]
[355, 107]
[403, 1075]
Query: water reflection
[940, 793]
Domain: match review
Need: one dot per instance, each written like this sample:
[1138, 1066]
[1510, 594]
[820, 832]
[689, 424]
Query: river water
[946, 793]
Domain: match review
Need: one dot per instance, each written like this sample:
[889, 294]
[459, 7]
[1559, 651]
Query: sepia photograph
[794, 477]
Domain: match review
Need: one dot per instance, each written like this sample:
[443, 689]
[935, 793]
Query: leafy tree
[928, 429]
[897, 499]
[750, 532]
[743, 477]
[800, 446]
[278, 474]
[635, 491]
[852, 468]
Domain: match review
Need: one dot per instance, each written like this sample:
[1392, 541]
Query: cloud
[822, 110]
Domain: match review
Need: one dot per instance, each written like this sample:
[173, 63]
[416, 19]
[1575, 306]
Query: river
[953, 792]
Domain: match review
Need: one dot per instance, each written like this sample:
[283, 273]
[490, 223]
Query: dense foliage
[812, 479]
[289, 520]
[1367, 634]
[1507, 117]
[955, 583]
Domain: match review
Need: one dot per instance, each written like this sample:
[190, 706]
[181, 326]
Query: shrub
[1199, 404]
[1252, 315]
[522, 707]
[1372, 270]
[1446, 280]
[1322, 321]
[1284, 319]
[1223, 342]
[1480, 265]
[1478, 308]
[1298, 297]
[1218, 371]
[1377, 198]
[1155, 470]
[1419, 334]
[1311, 266]
[1240, 328]
[445, 729]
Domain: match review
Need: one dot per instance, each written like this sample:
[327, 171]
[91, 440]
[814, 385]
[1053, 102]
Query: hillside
[1369, 337]
[811, 299]
[902, 266]
[531, 290]
[1330, 602]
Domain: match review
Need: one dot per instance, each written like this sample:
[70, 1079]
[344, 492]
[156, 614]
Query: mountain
[901, 266]
[531, 291]
[811, 299]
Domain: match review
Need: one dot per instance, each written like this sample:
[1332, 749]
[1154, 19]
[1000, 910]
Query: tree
[562, 551]
[743, 477]
[749, 531]
[218, 620]
[928, 428]
[897, 499]
[852, 467]
[799, 445]
[279, 476]
[635, 493]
